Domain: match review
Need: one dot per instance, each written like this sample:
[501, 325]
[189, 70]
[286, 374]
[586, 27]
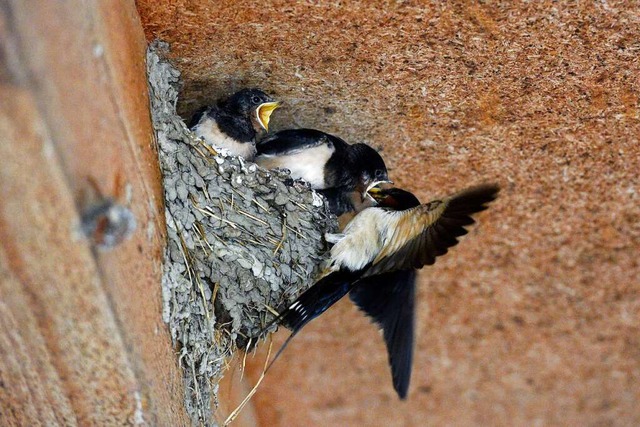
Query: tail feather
[316, 300]
[312, 303]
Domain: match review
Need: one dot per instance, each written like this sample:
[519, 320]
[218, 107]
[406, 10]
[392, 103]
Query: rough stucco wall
[534, 317]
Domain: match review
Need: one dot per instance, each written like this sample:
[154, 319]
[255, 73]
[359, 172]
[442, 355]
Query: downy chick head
[369, 166]
[252, 104]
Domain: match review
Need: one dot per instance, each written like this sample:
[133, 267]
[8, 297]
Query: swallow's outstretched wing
[389, 299]
[292, 141]
[375, 262]
[416, 237]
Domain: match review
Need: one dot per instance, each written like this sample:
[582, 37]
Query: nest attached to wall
[241, 243]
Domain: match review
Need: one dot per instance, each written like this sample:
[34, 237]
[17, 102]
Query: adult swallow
[389, 299]
[233, 124]
[340, 171]
[376, 258]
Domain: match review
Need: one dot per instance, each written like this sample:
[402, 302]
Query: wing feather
[416, 237]
[389, 299]
[292, 141]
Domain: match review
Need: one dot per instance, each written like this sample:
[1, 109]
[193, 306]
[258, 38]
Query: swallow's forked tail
[312, 303]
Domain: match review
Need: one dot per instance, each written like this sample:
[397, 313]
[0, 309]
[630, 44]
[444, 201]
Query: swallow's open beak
[263, 113]
[373, 191]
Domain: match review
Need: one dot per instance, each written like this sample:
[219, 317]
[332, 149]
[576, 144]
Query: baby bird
[341, 172]
[233, 124]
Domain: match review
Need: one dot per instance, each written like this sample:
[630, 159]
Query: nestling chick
[340, 171]
[233, 124]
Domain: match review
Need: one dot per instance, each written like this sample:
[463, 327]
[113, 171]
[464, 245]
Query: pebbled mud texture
[241, 243]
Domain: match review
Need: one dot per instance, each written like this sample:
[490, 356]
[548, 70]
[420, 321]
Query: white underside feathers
[307, 164]
[208, 130]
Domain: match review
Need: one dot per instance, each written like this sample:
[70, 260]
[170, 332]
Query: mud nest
[241, 246]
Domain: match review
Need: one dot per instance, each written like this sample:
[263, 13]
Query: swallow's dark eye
[379, 173]
[256, 100]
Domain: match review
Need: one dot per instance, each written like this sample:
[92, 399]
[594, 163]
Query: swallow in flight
[375, 261]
